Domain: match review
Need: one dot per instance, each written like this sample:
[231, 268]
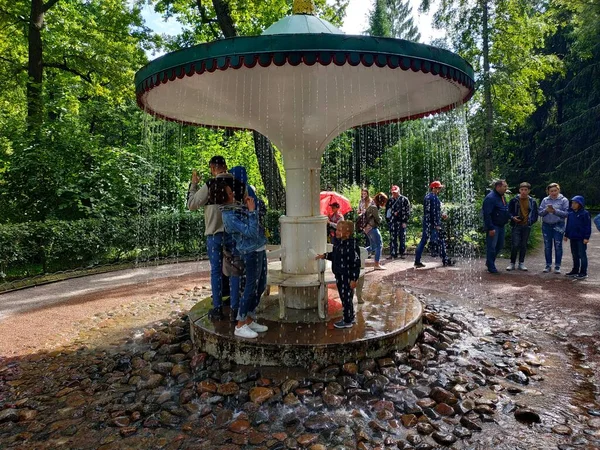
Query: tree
[225, 19]
[402, 23]
[504, 41]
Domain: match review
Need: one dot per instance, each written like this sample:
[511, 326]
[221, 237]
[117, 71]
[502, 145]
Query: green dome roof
[302, 24]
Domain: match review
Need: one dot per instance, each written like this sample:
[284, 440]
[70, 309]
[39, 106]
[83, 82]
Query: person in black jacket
[523, 211]
[397, 213]
[345, 259]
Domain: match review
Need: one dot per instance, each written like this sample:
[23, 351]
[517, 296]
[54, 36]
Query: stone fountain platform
[388, 319]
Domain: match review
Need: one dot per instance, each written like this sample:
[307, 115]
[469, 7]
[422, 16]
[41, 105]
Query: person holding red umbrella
[332, 221]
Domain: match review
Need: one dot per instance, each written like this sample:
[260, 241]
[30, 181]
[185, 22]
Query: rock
[306, 439]
[425, 428]
[594, 423]
[260, 394]
[239, 426]
[469, 424]
[26, 415]
[226, 389]
[527, 415]
[562, 429]
[444, 409]
[127, 431]
[206, 386]
[441, 395]
[443, 438]
[518, 377]
[332, 400]
[350, 368]
[289, 385]
[318, 423]
[408, 420]
[9, 415]
[461, 432]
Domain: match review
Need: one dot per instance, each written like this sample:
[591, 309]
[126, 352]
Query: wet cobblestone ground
[495, 369]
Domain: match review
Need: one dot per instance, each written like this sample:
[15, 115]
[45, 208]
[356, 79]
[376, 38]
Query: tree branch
[49, 4]
[63, 66]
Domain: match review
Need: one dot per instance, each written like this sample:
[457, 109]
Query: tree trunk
[224, 18]
[265, 153]
[35, 66]
[487, 94]
[269, 171]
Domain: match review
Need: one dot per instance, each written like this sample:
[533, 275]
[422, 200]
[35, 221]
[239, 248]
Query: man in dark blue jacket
[523, 212]
[495, 217]
[432, 225]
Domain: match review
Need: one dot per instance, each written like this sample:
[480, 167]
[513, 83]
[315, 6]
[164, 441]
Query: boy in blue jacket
[578, 230]
[345, 259]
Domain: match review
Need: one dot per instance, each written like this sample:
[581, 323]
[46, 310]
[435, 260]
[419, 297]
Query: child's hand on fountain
[320, 256]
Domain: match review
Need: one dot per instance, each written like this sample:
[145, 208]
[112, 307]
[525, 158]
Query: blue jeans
[214, 247]
[436, 236]
[579, 253]
[234, 282]
[256, 283]
[553, 236]
[494, 245]
[397, 236]
[375, 243]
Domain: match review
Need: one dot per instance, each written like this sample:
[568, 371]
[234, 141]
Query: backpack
[597, 221]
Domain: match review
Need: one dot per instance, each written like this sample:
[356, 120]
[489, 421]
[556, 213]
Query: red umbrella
[329, 197]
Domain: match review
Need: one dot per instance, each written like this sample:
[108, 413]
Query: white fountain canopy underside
[302, 108]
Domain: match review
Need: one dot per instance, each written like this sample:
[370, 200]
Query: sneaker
[419, 265]
[379, 267]
[522, 267]
[580, 276]
[342, 324]
[245, 332]
[547, 269]
[402, 256]
[572, 273]
[492, 270]
[216, 313]
[391, 257]
[449, 263]
[255, 326]
[557, 269]
[233, 315]
[510, 267]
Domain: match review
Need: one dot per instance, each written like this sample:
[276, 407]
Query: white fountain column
[303, 228]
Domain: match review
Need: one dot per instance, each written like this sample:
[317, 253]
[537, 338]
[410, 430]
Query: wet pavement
[518, 351]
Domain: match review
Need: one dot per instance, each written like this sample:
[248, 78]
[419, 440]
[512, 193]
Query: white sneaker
[245, 332]
[510, 267]
[255, 326]
[547, 269]
[380, 267]
[557, 270]
[522, 267]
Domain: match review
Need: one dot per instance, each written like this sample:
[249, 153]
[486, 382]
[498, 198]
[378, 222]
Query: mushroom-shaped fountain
[302, 83]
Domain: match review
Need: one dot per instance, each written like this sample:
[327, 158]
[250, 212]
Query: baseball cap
[436, 184]
[395, 189]
[217, 160]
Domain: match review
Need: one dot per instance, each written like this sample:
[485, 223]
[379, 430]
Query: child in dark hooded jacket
[578, 230]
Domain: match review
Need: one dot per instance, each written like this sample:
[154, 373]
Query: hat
[436, 184]
[217, 161]
[395, 189]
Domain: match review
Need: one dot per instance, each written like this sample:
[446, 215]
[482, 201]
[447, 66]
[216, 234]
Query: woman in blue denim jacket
[242, 222]
[553, 211]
